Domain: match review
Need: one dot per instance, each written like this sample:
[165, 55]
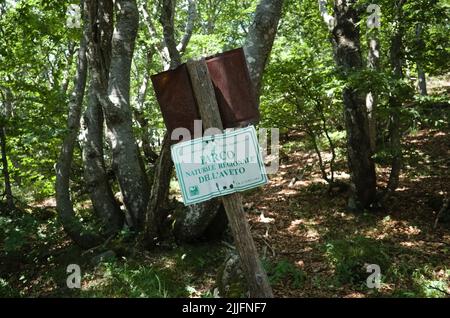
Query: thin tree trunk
[159, 193]
[7, 103]
[373, 60]
[396, 57]
[348, 57]
[167, 21]
[8, 191]
[66, 76]
[420, 72]
[138, 111]
[159, 45]
[260, 38]
[71, 224]
[116, 105]
[192, 15]
[422, 81]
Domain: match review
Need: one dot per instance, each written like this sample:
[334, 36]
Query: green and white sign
[217, 165]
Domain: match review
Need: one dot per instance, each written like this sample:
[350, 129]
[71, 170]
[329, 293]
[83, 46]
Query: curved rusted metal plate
[234, 90]
[175, 97]
[232, 84]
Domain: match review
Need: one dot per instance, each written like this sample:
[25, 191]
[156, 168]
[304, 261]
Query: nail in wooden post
[209, 112]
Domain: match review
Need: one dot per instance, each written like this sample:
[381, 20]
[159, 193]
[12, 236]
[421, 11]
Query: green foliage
[132, 281]
[349, 258]
[6, 291]
[24, 236]
[36, 57]
[423, 281]
[284, 272]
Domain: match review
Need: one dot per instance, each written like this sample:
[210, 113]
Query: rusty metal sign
[232, 85]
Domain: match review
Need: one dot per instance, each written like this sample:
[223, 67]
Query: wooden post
[209, 112]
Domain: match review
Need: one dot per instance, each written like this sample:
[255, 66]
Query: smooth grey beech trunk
[64, 205]
[260, 38]
[101, 22]
[348, 58]
[116, 105]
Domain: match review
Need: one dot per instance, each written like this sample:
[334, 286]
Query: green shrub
[285, 272]
[349, 258]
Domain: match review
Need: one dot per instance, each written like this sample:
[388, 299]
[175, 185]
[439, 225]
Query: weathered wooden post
[210, 115]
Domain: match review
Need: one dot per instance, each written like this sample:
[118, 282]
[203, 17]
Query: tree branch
[167, 22]
[327, 18]
[260, 38]
[192, 16]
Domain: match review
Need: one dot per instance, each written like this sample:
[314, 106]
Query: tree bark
[66, 214]
[260, 38]
[101, 23]
[116, 105]
[159, 45]
[422, 85]
[159, 193]
[348, 58]
[373, 60]
[396, 57]
[167, 21]
[189, 29]
[138, 111]
[6, 114]
[8, 191]
[70, 57]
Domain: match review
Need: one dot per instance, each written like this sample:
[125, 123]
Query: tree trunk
[260, 38]
[7, 112]
[420, 72]
[192, 15]
[167, 21]
[192, 223]
[396, 57]
[71, 224]
[159, 193]
[138, 111]
[373, 60]
[422, 81]
[116, 105]
[8, 191]
[101, 24]
[102, 197]
[66, 76]
[348, 58]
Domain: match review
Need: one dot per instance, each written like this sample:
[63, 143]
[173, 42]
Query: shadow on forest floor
[312, 229]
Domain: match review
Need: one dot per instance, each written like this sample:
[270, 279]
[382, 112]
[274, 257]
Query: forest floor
[310, 244]
[309, 227]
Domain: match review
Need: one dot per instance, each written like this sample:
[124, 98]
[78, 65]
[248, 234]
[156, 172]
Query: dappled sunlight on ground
[307, 218]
